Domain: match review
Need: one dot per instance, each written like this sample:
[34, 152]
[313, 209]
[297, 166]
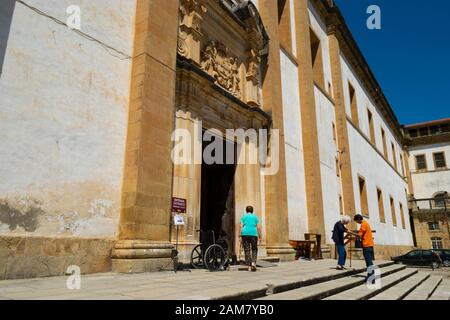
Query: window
[371, 127]
[402, 216]
[330, 89]
[334, 133]
[421, 162]
[413, 133]
[353, 104]
[341, 205]
[363, 197]
[439, 160]
[338, 169]
[394, 216]
[414, 254]
[394, 155]
[381, 205]
[440, 199]
[383, 137]
[423, 132]
[435, 130]
[316, 56]
[432, 226]
[445, 128]
[436, 243]
[284, 24]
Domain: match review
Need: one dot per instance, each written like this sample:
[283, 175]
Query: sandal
[253, 268]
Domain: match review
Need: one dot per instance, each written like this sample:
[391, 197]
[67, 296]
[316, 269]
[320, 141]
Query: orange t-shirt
[366, 235]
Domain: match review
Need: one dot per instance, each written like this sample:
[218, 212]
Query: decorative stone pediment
[222, 66]
[227, 40]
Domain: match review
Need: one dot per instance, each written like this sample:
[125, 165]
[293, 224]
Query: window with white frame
[436, 243]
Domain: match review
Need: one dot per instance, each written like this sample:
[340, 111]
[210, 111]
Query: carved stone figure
[217, 62]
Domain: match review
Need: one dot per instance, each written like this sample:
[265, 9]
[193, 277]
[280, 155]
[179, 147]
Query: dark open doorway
[217, 198]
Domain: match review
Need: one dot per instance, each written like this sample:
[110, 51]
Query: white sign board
[178, 220]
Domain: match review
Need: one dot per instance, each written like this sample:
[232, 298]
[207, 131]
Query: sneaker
[339, 268]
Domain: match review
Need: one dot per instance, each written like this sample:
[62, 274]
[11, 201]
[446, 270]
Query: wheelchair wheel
[197, 258]
[215, 258]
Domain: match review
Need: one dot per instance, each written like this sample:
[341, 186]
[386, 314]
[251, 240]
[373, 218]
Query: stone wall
[424, 234]
[29, 257]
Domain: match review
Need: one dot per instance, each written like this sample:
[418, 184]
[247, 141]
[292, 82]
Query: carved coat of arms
[217, 62]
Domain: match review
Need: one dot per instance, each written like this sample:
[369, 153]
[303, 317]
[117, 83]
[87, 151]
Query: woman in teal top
[250, 233]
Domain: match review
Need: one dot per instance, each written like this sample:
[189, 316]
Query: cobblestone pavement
[167, 285]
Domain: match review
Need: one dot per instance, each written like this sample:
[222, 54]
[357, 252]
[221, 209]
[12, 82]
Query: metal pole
[175, 261]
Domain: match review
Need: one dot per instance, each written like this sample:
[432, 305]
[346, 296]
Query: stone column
[313, 181]
[277, 223]
[187, 182]
[341, 128]
[408, 171]
[247, 192]
[144, 226]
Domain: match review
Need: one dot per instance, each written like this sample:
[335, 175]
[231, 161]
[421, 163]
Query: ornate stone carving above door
[217, 61]
[228, 41]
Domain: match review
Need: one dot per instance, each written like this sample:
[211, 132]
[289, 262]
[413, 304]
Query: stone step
[270, 259]
[362, 292]
[425, 290]
[327, 288]
[401, 290]
[442, 292]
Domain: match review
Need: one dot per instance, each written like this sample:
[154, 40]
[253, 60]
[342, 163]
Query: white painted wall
[378, 173]
[63, 117]
[364, 103]
[331, 184]
[426, 184]
[319, 28]
[368, 163]
[295, 171]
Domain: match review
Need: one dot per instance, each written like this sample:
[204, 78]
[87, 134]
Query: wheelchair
[210, 254]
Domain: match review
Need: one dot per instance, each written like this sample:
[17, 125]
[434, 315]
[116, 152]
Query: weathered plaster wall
[63, 117]
[427, 183]
[295, 169]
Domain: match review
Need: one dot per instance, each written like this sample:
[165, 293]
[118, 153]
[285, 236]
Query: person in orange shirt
[365, 233]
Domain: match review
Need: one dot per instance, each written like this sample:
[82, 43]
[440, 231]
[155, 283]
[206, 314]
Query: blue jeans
[342, 255]
[368, 256]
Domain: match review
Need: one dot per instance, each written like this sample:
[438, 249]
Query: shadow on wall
[6, 15]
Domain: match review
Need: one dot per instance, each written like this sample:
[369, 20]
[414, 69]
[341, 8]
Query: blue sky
[410, 55]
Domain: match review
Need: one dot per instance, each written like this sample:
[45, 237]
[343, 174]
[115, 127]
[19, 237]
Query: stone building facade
[90, 118]
[429, 153]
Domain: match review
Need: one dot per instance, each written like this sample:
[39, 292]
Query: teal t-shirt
[250, 221]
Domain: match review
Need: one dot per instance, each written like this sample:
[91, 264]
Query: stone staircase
[397, 283]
